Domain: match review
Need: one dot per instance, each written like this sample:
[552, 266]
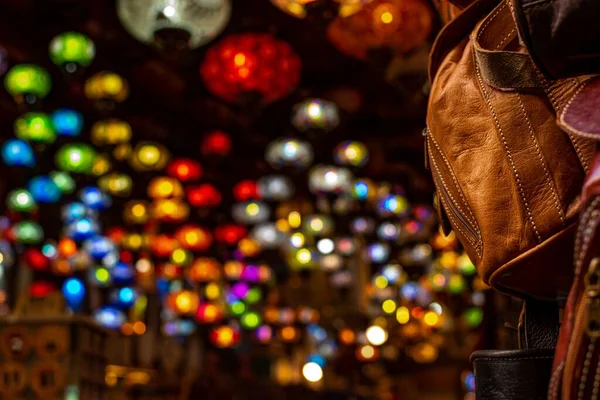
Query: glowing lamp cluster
[251, 63]
[315, 114]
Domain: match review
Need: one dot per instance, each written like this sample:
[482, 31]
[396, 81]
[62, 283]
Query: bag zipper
[426, 148]
[456, 212]
[446, 195]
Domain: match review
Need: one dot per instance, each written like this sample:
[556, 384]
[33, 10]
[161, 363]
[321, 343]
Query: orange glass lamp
[224, 337]
[296, 8]
[204, 270]
[184, 302]
[194, 237]
[163, 245]
[398, 25]
[209, 313]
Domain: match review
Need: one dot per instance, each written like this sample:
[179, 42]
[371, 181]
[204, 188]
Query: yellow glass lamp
[149, 156]
[110, 132]
[107, 86]
[164, 187]
[117, 184]
[136, 212]
[169, 210]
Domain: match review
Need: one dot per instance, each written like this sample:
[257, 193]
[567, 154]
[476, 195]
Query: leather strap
[501, 69]
[512, 374]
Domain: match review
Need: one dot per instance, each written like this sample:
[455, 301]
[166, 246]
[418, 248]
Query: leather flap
[581, 115]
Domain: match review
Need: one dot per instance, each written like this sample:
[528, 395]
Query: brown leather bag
[506, 175]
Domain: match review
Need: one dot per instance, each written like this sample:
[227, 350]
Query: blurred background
[228, 199]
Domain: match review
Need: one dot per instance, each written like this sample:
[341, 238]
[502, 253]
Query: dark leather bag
[562, 36]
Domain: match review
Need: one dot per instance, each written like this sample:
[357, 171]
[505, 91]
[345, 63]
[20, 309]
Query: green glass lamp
[35, 127]
[21, 200]
[64, 181]
[27, 79]
[70, 49]
[28, 232]
[76, 157]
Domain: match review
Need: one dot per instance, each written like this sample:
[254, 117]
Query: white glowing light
[376, 335]
[325, 246]
[312, 372]
[169, 11]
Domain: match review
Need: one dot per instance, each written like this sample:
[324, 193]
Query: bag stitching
[473, 220]
[584, 217]
[507, 150]
[588, 231]
[505, 37]
[596, 387]
[484, 27]
[549, 181]
[555, 379]
[585, 370]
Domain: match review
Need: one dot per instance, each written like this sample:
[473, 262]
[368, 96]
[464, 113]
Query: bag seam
[506, 149]
[549, 181]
